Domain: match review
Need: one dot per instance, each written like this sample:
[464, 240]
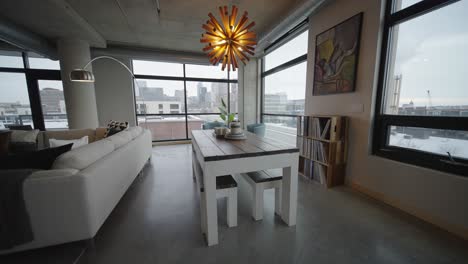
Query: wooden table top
[213, 148]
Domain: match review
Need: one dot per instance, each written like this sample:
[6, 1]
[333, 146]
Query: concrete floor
[158, 221]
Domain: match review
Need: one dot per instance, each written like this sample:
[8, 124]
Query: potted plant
[227, 117]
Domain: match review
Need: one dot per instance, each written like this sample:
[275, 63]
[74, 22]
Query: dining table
[219, 156]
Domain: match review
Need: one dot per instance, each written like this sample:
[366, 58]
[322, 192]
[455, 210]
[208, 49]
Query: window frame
[296, 31]
[383, 122]
[32, 76]
[185, 79]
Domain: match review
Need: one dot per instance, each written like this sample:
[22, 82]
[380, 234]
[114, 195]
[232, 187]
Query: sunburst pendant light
[230, 41]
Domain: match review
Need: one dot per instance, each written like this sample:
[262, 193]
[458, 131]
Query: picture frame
[337, 57]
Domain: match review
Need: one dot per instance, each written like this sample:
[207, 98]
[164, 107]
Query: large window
[172, 99]
[31, 91]
[422, 114]
[14, 105]
[283, 89]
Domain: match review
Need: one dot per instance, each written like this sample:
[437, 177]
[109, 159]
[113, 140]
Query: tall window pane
[402, 4]
[36, 61]
[205, 97]
[195, 122]
[203, 71]
[439, 141]
[428, 66]
[158, 68]
[170, 127]
[233, 75]
[233, 97]
[290, 50]
[159, 97]
[11, 59]
[285, 91]
[53, 104]
[14, 102]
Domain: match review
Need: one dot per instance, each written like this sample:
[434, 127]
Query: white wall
[114, 91]
[437, 197]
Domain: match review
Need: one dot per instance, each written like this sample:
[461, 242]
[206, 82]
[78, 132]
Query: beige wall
[437, 197]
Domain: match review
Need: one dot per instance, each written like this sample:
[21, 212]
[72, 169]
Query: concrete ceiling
[134, 22]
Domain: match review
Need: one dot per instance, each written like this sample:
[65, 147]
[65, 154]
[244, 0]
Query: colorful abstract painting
[336, 57]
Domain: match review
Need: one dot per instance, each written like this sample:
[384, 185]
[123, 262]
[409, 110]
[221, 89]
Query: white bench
[226, 187]
[261, 181]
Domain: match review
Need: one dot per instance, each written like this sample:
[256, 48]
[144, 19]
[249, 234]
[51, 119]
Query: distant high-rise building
[141, 83]
[275, 103]
[152, 93]
[201, 93]
[218, 91]
[203, 99]
[233, 98]
[179, 94]
[50, 99]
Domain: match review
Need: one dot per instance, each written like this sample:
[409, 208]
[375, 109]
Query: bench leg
[232, 208]
[202, 212]
[257, 207]
[278, 200]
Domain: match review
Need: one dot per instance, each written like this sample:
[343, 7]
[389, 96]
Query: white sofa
[71, 201]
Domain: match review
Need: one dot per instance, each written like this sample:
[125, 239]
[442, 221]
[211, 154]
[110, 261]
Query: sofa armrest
[58, 207]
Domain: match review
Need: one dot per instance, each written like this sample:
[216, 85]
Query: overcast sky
[432, 53]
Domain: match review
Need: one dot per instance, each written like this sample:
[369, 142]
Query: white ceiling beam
[26, 40]
[141, 53]
[95, 37]
[289, 21]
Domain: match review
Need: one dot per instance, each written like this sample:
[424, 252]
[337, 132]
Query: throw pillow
[42, 159]
[76, 142]
[22, 147]
[115, 127]
[24, 136]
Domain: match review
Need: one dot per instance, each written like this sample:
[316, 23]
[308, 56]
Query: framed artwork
[336, 57]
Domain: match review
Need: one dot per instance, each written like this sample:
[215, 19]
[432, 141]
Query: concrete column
[250, 85]
[80, 98]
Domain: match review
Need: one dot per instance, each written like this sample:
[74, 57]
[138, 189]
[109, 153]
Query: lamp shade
[80, 75]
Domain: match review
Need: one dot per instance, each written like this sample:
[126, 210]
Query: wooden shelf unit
[322, 141]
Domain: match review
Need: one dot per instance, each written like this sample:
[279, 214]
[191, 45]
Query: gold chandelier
[229, 41]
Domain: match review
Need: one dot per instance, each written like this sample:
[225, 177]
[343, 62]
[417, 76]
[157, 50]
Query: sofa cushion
[120, 139]
[135, 131]
[76, 142]
[24, 136]
[84, 156]
[43, 138]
